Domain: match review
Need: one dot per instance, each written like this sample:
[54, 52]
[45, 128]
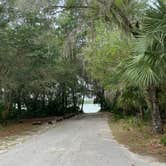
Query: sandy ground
[82, 141]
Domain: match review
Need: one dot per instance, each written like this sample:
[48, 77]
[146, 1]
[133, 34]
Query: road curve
[82, 141]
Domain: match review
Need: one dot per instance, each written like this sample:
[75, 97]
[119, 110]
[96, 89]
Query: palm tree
[147, 67]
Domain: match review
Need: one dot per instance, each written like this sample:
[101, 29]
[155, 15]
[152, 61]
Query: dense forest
[54, 53]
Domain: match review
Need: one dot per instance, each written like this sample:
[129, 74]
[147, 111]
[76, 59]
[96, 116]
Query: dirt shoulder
[139, 138]
[25, 125]
[17, 133]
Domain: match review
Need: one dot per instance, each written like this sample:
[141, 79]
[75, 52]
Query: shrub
[163, 140]
[135, 122]
[117, 117]
[1, 110]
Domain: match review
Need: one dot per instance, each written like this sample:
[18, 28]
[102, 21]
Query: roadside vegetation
[137, 135]
[55, 53]
[128, 59]
[38, 77]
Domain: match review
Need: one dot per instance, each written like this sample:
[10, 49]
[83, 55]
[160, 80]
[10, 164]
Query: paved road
[83, 141]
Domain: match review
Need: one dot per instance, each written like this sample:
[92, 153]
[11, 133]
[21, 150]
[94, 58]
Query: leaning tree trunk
[155, 111]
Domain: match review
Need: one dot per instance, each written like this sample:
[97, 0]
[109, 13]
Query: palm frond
[154, 24]
[140, 72]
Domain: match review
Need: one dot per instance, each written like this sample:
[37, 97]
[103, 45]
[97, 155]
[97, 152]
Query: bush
[134, 121]
[1, 110]
[117, 117]
[163, 140]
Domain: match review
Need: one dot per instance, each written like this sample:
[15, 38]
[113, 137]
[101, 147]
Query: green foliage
[117, 117]
[129, 121]
[131, 100]
[36, 79]
[134, 121]
[147, 66]
[105, 53]
[129, 65]
[46, 52]
[163, 140]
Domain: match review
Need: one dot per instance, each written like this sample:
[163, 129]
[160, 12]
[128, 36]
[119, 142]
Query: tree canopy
[51, 51]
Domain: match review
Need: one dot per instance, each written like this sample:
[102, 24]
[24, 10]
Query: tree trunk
[102, 99]
[155, 112]
[64, 96]
[43, 101]
[19, 106]
[19, 103]
[141, 112]
[35, 102]
[82, 104]
[74, 100]
[8, 105]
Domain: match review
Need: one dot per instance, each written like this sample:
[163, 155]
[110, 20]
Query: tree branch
[68, 7]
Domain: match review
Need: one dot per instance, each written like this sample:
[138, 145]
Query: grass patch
[163, 140]
[137, 135]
